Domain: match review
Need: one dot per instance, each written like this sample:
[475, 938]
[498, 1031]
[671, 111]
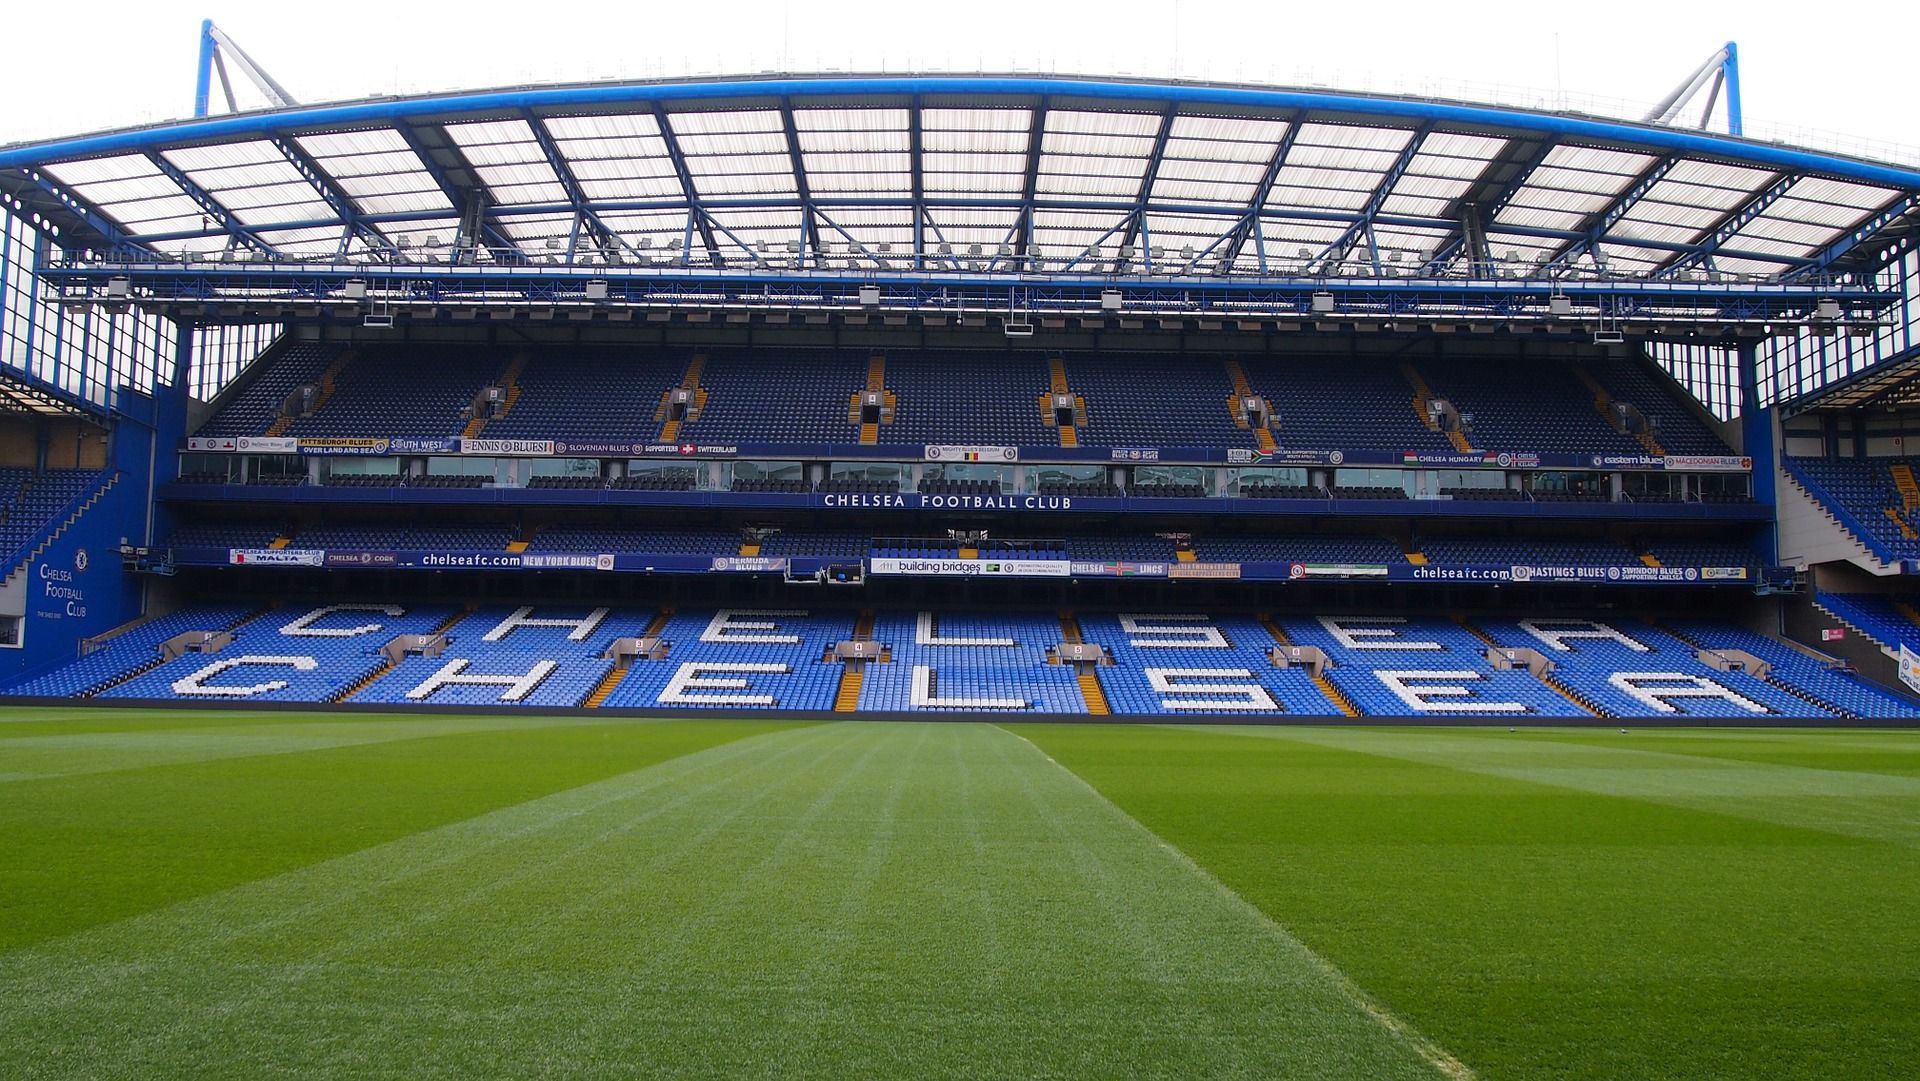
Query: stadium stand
[1820, 681]
[1322, 402]
[1137, 401]
[586, 393]
[131, 650]
[1865, 498]
[33, 499]
[256, 403]
[406, 538]
[967, 398]
[1300, 549]
[384, 392]
[1888, 620]
[1183, 664]
[959, 660]
[740, 659]
[1591, 553]
[1636, 670]
[801, 396]
[1399, 665]
[969, 662]
[286, 655]
[521, 655]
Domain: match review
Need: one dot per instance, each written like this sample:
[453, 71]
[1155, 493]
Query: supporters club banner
[1119, 569]
[973, 568]
[276, 557]
[758, 564]
[944, 453]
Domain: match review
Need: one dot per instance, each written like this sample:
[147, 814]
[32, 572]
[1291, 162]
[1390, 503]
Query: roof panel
[1005, 142]
[1415, 206]
[1351, 135]
[1238, 129]
[1284, 195]
[724, 123]
[1000, 120]
[1203, 191]
[874, 120]
[1115, 124]
[633, 146]
[603, 126]
[616, 190]
[91, 170]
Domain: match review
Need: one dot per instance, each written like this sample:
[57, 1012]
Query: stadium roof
[958, 174]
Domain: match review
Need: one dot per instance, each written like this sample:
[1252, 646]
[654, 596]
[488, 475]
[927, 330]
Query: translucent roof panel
[510, 161]
[736, 153]
[855, 151]
[1570, 184]
[1444, 168]
[1812, 213]
[974, 151]
[255, 181]
[1336, 166]
[376, 170]
[1091, 155]
[132, 191]
[615, 157]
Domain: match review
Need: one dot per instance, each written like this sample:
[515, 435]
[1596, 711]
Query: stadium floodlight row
[943, 662]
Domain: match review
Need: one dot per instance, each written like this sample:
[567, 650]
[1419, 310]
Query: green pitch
[231, 895]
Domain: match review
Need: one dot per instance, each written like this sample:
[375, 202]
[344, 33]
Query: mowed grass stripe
[1541, 931]
[1876, 806]
[27, 758]
[89, 848]
[1857, 750]
[841, 901]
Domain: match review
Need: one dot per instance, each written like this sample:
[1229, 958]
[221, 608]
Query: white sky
[1830, 76]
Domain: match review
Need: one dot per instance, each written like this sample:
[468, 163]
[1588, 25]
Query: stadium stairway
[329, 382]
[1422, 394]
[1603, 404]
[1242, 390]
[876, 384]
[1335, 696]
[1552, 684]
[365, 681]
[19, 560]
[509, 382]
[853, 675]
[1084, 674]
[670, 428]
[1057, 385]
[604, 689]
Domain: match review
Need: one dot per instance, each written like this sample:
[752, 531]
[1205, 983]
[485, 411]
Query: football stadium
[841, 575]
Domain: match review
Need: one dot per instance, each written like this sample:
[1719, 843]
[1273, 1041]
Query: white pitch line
[1436, 1056]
